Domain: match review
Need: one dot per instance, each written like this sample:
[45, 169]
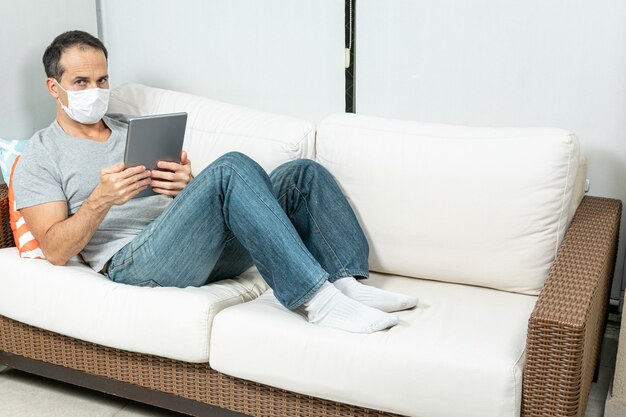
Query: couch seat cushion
[459, 353]
[75, 301]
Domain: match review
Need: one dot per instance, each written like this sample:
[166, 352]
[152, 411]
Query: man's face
[84, 68]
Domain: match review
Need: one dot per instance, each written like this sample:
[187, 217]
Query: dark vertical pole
[350, 42]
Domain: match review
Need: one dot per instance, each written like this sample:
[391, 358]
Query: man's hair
[71, 39]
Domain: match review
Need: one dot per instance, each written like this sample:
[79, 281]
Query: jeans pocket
[122, 258]
[147, 283]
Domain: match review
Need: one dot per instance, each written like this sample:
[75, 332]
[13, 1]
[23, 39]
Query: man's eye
[80, 82]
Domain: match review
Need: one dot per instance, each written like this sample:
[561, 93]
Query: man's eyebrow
[84, 78]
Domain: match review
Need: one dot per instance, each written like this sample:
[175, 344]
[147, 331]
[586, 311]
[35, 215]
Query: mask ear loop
[58, 84]
[63, 106]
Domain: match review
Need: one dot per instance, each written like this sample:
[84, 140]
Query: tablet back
[154, 138]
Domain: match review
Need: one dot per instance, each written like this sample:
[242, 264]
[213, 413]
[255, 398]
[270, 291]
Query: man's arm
[61, 237]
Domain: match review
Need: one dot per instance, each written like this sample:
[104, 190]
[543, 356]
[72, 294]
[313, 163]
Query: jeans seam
[126, 260]
[231, 239]
[306, 206]
[113, 266]
[130, 257]
[296, 187]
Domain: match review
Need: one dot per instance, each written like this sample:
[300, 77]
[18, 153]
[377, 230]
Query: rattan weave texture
[566, 326]
[6, 235]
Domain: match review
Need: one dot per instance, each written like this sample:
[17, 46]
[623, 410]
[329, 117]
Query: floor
[26, 395]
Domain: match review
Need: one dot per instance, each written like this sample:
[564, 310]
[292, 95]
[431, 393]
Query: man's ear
[52, 87]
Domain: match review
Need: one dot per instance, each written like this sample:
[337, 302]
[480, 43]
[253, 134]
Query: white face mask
[86, 106]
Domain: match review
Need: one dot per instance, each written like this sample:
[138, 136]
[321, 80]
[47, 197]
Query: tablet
[154, 138]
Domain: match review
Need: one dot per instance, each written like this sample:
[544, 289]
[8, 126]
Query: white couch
[469, 220]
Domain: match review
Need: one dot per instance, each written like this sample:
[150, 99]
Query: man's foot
[329, 307]
[375, 297]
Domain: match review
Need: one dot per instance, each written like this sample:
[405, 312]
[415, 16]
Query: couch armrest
[6, 235]
[566, 327]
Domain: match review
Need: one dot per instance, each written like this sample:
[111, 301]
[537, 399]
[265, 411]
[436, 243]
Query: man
[296, 225]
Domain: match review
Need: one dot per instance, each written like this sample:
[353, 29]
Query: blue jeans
[295, 225]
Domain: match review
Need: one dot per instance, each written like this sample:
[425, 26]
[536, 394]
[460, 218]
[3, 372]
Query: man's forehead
[77, 59]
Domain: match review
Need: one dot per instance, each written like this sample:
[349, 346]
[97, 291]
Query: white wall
[281, 56]
[558, 63]
[26, 28]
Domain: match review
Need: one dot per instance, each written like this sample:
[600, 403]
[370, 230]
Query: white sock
[329, 307]
[375, 297]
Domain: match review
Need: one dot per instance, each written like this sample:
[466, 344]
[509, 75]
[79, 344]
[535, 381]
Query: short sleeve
[37, 179]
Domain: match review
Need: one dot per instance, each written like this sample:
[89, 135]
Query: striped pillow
[26, 244]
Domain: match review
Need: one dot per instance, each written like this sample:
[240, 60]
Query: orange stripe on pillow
[30, 246]
[22, 228]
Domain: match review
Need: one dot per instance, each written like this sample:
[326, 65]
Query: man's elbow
[54, 258]
[57, 262]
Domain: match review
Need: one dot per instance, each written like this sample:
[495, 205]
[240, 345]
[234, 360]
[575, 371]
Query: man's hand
[173, 178]
[119, 184]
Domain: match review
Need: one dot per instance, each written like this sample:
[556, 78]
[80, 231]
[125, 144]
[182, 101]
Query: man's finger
[137, 191]
[167, 185]
[113, 169]
[172, 166]
[145, 175]
[183, 158]
[129, 172]
[164, 175]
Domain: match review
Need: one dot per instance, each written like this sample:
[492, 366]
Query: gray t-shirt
[57, 167]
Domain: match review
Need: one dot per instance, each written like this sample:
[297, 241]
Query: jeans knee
[241, 161]
[243, 164]
[306, 166]
[232, 161]
[236, 158]
[298, 171]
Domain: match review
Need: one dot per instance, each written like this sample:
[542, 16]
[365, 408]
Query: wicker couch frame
[564, 338]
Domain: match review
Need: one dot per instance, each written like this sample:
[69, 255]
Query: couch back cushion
[478, 206]
[215, 128]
